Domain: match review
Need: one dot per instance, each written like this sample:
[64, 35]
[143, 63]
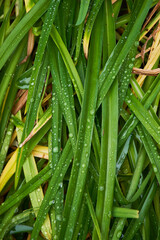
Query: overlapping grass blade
[85, 132]
[21, 29]
[133, 121]
[121, 50]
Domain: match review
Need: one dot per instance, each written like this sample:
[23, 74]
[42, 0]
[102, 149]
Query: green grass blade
[10, 70]
[68, 62]
[21, 29]
[30, 120]
[151, 150]
[147, 100]
[83, 11]
[143, 115]
[90, 22]
[135, 224]
[121, 50]
[93, 214]
[55, 183]
[125, 212]
[112, 131]
[85, 133]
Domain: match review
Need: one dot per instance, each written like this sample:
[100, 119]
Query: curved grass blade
[16, 220]
[83, 11]
[90, 22]
[36, 181]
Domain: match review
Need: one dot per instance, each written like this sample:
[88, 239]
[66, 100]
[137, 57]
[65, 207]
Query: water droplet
[70, 135]
[101, 188]
[119, 233]
[58, 217]
[55, 149]
[131, 65]
[155, 169]
[51, 202]
[136, 44]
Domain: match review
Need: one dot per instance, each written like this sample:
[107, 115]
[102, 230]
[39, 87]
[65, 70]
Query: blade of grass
[143, 115]
[10, 70]
[21, 29]
[83, 11]
[85, 133]
[112, 130]
[135, 224]
[113, 64]
[36, 197]
[147, 100]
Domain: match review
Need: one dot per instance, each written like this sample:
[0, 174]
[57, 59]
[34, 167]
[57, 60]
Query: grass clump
[79, 119]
